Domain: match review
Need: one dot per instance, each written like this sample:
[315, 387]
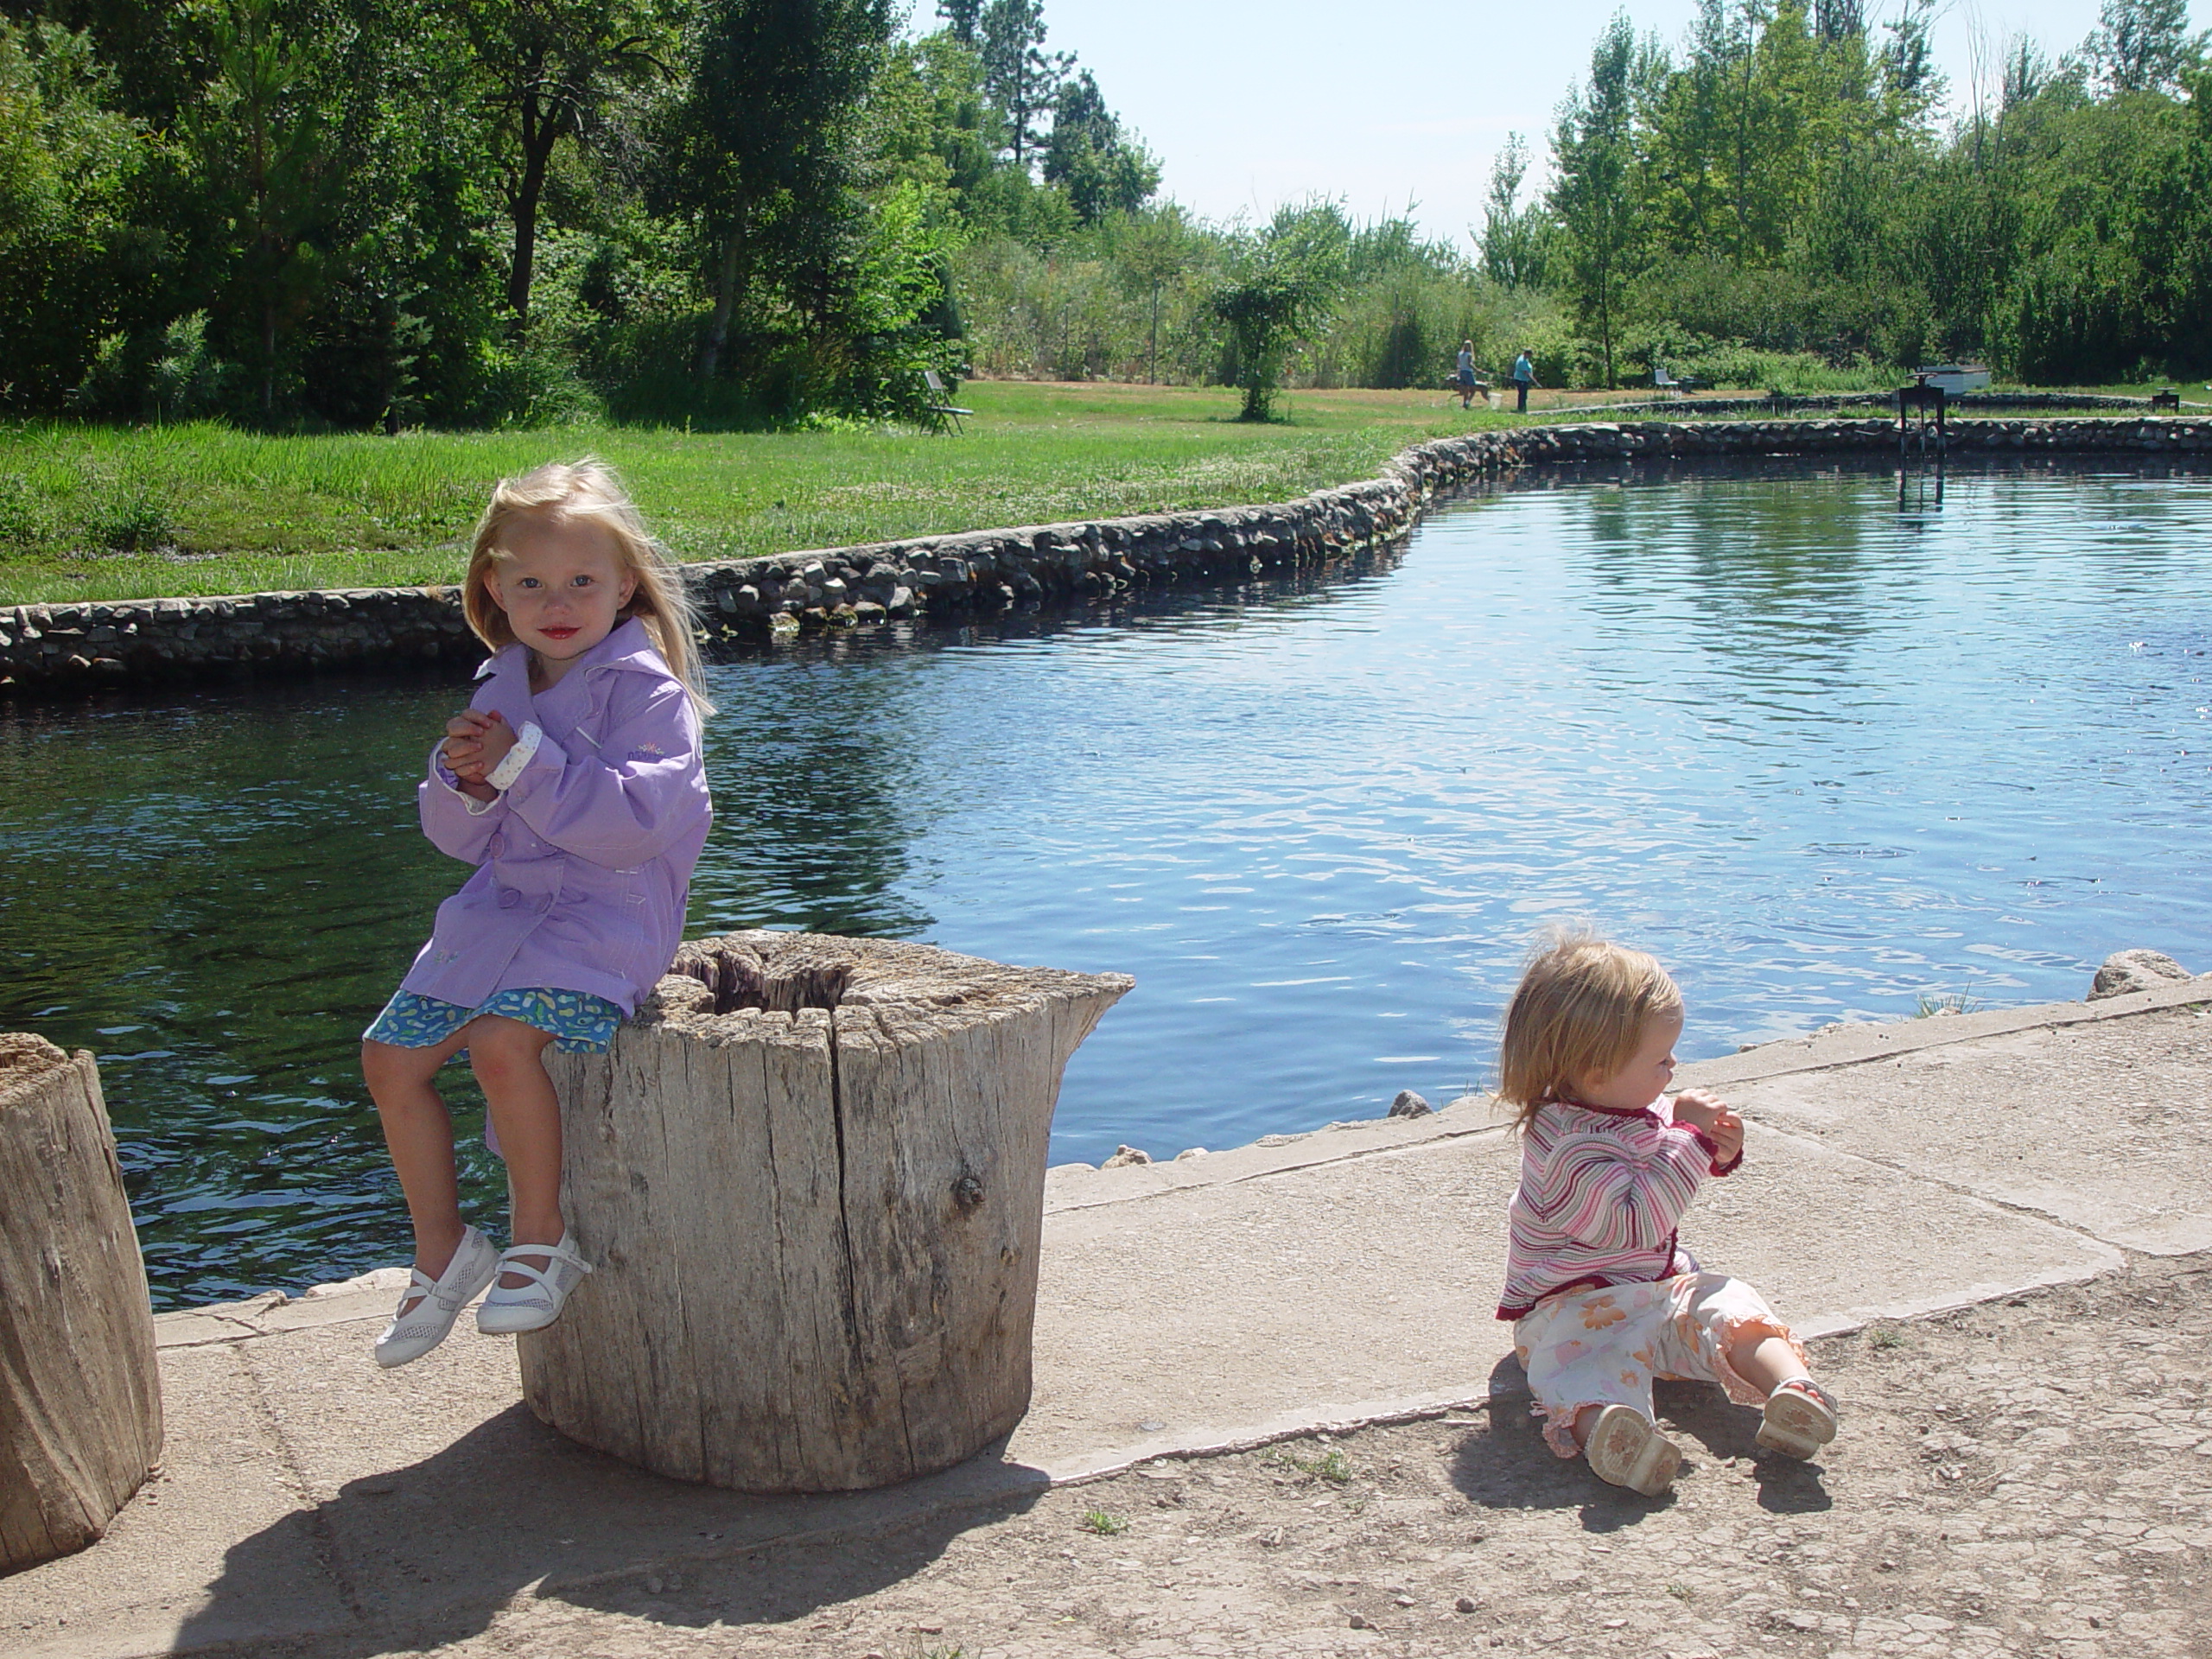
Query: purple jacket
[584, 862]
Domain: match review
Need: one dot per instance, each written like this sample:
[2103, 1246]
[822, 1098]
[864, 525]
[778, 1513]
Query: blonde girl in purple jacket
[573, 783]
[1602, 1295]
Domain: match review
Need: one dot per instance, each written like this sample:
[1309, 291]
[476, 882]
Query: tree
[1153, 250]
[927, 118]
[68, 163]
[152, 50]
[1915, 86]
[1282, 287]
[2143, 46]
[960, 19]
[2025, 72]
[1838, 19]
[1513, 238]
[1087, 156]
[2178, 214]
[550, 66]
[762, 147]
[260, 134]
[1020, 76]
[1593, 154]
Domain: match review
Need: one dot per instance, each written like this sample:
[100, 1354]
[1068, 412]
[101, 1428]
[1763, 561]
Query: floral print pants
[1604, 1347]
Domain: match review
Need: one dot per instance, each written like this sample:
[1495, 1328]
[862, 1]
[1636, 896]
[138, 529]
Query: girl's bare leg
[1765, 1362]
[418, 1131]
[508, 1058]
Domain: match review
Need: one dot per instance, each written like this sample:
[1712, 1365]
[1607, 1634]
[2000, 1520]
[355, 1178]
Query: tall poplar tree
[1513, 237]
[1593, 154]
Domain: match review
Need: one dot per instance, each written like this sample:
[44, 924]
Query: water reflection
[1827, 756]
[1920, 490]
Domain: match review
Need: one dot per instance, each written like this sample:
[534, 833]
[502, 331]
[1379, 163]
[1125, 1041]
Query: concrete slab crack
[323, 1538]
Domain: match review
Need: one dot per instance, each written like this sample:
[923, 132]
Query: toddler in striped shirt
[1603, 1297]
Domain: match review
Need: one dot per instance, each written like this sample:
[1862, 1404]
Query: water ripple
[1826, 758]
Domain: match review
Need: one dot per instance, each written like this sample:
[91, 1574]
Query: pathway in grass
[102, 513]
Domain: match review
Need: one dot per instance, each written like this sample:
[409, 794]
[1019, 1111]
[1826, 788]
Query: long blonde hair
[587, 489]
[1580, 1011]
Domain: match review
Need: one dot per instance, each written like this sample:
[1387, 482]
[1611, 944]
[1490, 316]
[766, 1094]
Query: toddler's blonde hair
[1580, 1010]
[587, 490]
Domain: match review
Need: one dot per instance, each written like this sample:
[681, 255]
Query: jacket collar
[627, 646]
[1650, 1112]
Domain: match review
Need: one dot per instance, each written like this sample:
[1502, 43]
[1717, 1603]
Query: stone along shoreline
[70, 647]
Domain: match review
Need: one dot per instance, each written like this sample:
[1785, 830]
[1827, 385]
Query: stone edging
[1960, 403]
[64, 647]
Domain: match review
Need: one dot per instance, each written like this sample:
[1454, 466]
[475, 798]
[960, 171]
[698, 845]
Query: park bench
[941, 407]
[1668, 383]
[2168, 402]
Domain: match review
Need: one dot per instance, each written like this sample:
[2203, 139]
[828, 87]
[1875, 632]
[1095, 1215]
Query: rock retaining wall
[1960, 403]
[48, 647]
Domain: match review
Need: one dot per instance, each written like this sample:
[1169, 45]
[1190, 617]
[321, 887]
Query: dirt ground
[2026, 1477]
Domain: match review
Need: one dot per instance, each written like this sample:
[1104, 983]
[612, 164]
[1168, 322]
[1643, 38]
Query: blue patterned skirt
[578, 1022]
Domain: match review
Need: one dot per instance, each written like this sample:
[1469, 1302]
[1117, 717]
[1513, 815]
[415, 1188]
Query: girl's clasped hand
[1712, 1118]
[475, 743]
[1603, 1297]
[573, 783]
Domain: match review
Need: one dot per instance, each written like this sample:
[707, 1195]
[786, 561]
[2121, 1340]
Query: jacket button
[510, 899]
[497, 845]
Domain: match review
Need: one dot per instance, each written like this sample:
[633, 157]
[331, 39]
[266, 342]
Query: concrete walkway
[1344, 1276]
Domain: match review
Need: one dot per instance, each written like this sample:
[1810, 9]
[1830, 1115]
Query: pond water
[1829, 748]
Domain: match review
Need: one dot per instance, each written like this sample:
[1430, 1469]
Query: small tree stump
[811, 1174]
[81, 1400]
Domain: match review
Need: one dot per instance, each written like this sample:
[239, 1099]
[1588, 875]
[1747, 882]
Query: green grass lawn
[111, 512]
[114, 512]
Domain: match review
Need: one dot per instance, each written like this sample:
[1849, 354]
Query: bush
[136, 525]
[187, 381]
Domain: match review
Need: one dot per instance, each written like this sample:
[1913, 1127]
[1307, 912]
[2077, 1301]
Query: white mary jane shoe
[538, 1304]
[413, 1332]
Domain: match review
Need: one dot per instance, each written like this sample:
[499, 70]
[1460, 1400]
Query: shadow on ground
[1508, 1465]
[511, 1512]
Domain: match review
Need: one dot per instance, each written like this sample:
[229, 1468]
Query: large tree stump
[81, 1400]
[811, 1174]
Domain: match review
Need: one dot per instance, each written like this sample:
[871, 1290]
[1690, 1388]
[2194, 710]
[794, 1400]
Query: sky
[1386, 102]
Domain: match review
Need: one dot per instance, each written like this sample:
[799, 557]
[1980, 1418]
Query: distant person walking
[1524, 376]
[1466, 372]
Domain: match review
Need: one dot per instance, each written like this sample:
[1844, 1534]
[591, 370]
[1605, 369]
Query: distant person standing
[1466, 372]
[1524, 376]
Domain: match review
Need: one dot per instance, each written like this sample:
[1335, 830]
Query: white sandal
[1800, 1418]
[538, 1304]
[414, 1331]
[1625, 1450]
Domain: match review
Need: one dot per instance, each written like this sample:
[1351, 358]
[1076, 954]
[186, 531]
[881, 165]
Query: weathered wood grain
[811, 1172]
[80, 1401]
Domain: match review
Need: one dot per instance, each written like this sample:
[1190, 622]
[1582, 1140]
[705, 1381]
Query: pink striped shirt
[1601, 1192]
